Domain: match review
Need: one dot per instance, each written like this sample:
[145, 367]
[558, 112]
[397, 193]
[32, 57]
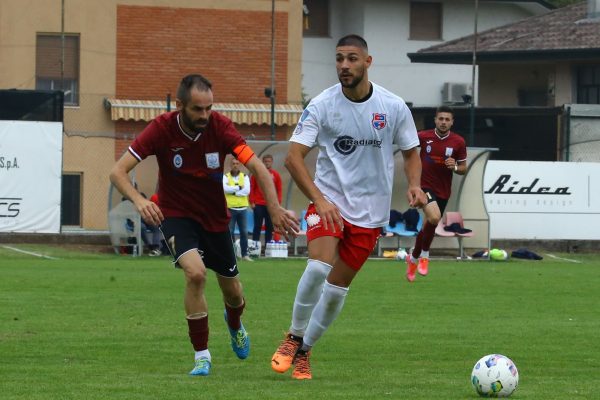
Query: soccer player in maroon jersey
[190, 146]
[443, 153]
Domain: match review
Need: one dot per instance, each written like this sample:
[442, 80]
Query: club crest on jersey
[177, 161]
[212, 160]
[379, 121]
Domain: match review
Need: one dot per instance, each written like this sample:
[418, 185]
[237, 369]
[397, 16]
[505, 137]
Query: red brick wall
[157, 46]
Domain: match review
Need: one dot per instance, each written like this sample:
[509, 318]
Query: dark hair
[192, 81]
[444, 109]
[353, 40]
[267, 156]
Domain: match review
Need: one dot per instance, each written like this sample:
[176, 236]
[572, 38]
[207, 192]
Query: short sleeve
[145, 143]
[462, 151]
[307, 128]
[406, 132]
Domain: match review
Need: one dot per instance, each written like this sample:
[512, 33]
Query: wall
[90, 146]
[385, 25]
[235, 57]
[499, 83]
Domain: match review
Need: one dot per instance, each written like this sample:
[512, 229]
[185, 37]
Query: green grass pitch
[102, 326]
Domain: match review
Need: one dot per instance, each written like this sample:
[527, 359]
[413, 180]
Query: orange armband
[243, 153]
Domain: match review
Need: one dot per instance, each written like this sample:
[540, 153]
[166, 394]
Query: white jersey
[355, 165]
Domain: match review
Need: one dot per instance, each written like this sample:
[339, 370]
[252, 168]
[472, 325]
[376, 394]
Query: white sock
[308, 293]
[424, 254]
[202, 353]
[328, 308]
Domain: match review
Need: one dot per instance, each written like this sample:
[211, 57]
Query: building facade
[119, 60]
[394, 28]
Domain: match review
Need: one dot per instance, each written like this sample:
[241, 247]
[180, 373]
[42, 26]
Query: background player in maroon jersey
[258, 204]
[190, 145]
[443, 153]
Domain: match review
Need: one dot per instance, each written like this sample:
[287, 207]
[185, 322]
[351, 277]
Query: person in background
[237, 188]
[259, 204]
[443, 154]
[190, 145]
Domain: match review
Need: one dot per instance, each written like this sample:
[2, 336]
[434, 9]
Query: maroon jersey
[434, 151]
[190, 178]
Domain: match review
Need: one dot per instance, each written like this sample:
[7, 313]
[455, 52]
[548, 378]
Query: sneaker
[247, 258]
[411, 268]
[423, 267]
[302, 366]
[201, 367]
[155, 253]
[240, 341]
[284, 356]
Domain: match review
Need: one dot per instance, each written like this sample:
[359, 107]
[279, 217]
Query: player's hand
[329, 214]
[450, 162]
[285, 222]
[150, 212]
[416, 197]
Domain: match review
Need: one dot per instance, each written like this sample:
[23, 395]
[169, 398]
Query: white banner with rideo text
[543, 200]
[30, 176]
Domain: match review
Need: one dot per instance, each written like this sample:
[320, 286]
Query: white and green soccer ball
[498, 255]
[495, 375]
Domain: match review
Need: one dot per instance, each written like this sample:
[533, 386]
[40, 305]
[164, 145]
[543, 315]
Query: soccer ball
[498, 255]
[401, 254]
[495, 375]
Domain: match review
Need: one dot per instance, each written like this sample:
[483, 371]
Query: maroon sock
[428, 234]
[198, 331]
[234, 315]
[418, 245]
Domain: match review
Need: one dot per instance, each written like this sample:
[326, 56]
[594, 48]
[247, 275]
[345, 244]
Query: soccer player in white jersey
[355, 125]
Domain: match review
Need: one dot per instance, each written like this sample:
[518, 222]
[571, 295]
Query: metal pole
[474, 68]
[272, 70]
[62, 45]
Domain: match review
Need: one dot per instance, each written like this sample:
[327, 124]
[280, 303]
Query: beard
[193, 125]
[354, 82]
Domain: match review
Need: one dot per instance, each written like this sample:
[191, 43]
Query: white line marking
[29, 252]
[564, 259]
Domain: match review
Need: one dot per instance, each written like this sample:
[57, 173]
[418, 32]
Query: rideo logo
[501, 186]
[10, 207]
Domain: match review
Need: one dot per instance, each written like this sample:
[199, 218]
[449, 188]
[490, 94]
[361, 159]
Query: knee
[433, 216]
[433, 219]
[233, 293]
[196, 277]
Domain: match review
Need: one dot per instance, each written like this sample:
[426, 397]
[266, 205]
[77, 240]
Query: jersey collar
[439, 136]
[367, 97]
[187, 136]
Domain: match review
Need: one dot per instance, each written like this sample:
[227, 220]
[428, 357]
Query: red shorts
[356, 243]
